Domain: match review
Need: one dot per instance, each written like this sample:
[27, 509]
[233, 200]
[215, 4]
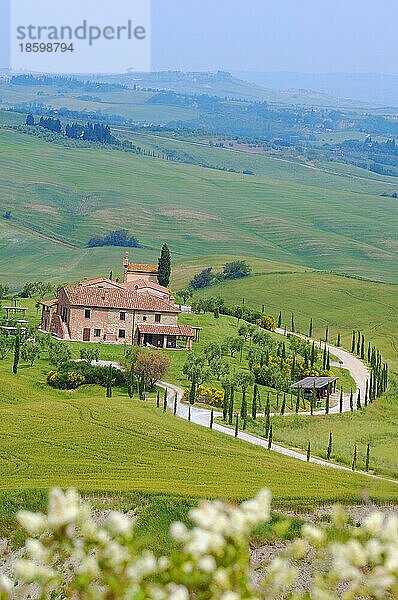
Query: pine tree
[309, 452]
[164, 266]
[330, 446]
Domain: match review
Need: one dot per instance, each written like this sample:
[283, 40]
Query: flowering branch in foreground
[67, 555]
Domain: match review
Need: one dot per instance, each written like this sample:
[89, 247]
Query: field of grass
[50, 437]
[70, 194]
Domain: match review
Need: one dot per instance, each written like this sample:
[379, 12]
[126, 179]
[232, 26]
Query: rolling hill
[61, 196]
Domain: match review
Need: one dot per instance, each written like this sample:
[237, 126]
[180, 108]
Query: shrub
[211, 396]
[67, 380]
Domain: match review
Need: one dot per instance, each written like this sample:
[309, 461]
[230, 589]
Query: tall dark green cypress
[293, 325]
[254, 403]
[270, 437]
[353, 343]
[231, 407]
[354, 459]
[330, 446]
[243, 408]
[298, 400]
[109, 383]
[158, 399]
[175, 403]
[283, 407]
[164, 266]
[309, 452]
[280, 320]
[366, 392]
[313, 400]
[17, 352]
[236, 425]
[212, 418]
[189, 412]
[338, 340]
[327, 410]
[327, 333]
[311, 328]
[367, 464]
[165, 400]
[351, 400]
[341, 400]
[359, 405]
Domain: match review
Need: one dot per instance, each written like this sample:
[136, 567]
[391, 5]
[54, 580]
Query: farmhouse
[136, 311]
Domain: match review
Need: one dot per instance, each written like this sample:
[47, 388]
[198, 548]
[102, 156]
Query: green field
[70, 194]
[50, 437]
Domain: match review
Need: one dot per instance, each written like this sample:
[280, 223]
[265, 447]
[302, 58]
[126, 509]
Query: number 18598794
[46, 47]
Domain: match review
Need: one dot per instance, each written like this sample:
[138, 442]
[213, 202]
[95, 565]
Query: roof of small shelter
[318, 382]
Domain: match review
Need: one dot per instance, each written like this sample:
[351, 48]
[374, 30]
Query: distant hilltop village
[136, 311]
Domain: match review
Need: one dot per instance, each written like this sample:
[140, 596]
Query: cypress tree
[211, 418]
[328, 400]
[158, 399]
[366, 392]
[283, 407]
[280, 320]
[354, 459]
[328, 361]
[165, 400]
[175, 403]
[293, 370]
[327, 333]
[371, 387]
[369, 353]
[225, 403]
[351, 400]
[359, 343]
[359, 405]
[313, 399]
[298, 401]
[341, 400]
[130, 384]
[338, 340]
[324, 357]
[17, 352]
[309, 452]
[293, 326]
[189, 413]
[109, 383]
[363, 347]
[243, 408]
[231, 407]
[313, 354]
[270, 438]
[164, 266]
[310, 329]
[353, 343]
[267, 425]
[254, 403]
[330, 446]
[367, 458]
[236, 425]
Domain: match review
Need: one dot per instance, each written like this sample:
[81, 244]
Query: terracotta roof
[119, 298]
[100, 280]
[184, 330]
[143, 268]
[50, 303]
[142, 284]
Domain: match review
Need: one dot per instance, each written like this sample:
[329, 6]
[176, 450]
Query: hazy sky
[267, 35]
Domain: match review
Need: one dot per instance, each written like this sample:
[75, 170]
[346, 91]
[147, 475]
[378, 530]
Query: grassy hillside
[51, 437]
[71, 194]
[343, 303]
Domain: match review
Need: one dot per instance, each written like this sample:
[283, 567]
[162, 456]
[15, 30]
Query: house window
[144, 318]
[97, 333]
[122, 316]
[87, 313]
[158, 318]
[122, 333]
